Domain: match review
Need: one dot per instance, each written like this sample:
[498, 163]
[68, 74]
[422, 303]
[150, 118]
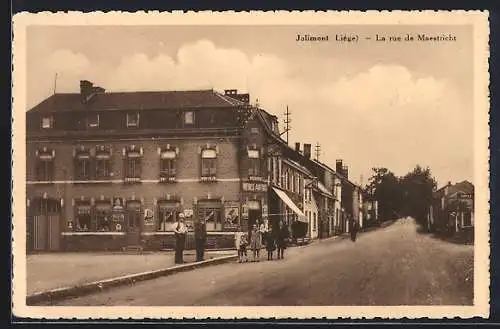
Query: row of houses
[107, 171]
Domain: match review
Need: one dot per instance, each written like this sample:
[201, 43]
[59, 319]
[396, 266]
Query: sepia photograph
[232, 165]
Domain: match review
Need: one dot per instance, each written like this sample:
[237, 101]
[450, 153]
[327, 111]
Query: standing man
[180, 230]
[200, 235]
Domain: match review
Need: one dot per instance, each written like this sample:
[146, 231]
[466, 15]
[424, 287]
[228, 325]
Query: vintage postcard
[251, 165]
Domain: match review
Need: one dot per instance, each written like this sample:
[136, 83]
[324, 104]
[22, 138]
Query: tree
[385, 188]
[418, 186]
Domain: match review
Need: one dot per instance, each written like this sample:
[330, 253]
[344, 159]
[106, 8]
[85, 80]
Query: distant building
[452, 209]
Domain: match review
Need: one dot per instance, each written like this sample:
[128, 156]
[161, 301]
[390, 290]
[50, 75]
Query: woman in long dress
[256, 243]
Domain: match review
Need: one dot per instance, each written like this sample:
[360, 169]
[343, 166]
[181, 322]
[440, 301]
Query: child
[241, 245]
[256, 243]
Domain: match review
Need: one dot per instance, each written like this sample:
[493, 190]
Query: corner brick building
[113, 170]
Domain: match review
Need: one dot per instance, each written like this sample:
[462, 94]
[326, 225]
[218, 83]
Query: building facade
[452, 210]
[109, 171]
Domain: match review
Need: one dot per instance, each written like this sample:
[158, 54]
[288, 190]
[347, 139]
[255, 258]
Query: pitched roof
[463, 186]
[140, 100]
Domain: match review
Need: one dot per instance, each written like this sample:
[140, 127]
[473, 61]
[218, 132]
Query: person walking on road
[200, 235]
[354, 229]
[270, 243]
[281, 239]
[256, 243]
[180, 231]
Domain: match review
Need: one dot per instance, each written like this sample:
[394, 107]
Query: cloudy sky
[371, 104]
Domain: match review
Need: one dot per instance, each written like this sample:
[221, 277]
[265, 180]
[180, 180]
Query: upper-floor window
[255, 130]
[208, 163]
[47, 122]
[93, 120]
[253, 162]
[82, 164]
[189, 117]
[132, 163]
[132, 120]
[45, 164]
[168, 164]
[102, 162]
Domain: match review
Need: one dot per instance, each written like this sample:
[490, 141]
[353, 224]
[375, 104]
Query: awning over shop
[286, 199]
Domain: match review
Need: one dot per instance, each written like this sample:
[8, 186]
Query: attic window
[47, 122]
[189, 117]
[132, 119]
[93, 120]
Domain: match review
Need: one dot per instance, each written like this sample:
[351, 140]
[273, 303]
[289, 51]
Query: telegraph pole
[55, 83]
[287, 121]
[317, 149]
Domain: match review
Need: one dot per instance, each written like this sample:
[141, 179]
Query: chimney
[345, 171]
[307, 150]
[338, 166]
[297, 147]
[233, 93]
[86, 89]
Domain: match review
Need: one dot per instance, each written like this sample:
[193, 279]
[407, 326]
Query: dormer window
[189, 117]
[132, 120]
[47, 122]
[93, 120]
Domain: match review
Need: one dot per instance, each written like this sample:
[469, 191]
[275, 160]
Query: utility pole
[55, 83]
[287, 121]
[317, 149]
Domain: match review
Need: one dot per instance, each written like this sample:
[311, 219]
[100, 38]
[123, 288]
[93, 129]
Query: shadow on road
[463, 238]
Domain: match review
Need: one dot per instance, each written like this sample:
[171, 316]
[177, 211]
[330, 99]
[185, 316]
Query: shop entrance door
[43, 226]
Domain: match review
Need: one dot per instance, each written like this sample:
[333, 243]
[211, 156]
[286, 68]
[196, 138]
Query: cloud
[385, 115]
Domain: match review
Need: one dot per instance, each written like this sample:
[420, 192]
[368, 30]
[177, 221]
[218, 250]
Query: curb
[98, 286]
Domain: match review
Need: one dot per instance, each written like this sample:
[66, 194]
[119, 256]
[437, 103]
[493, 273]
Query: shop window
[83, 217]
[253, 163]
[103, 216]
[211, 213]
[208, 163]
[47, 122]
[167, 216]
[168, 165]
[93, 120]
[189, 117]
[132, 120]
[45, 165]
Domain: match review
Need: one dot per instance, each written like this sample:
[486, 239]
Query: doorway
[43, 225]
[133, 223]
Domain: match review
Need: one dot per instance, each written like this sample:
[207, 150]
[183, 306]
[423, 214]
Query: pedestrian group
[259, 236]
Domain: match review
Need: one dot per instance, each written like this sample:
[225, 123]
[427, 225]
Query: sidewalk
[57, 270]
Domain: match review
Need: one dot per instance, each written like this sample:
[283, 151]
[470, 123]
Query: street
[394, 265]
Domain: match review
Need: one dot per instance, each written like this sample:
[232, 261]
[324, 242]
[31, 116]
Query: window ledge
[132, 180]
[45, 182]
[92, 233]
[168, 179]
[208, 179]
